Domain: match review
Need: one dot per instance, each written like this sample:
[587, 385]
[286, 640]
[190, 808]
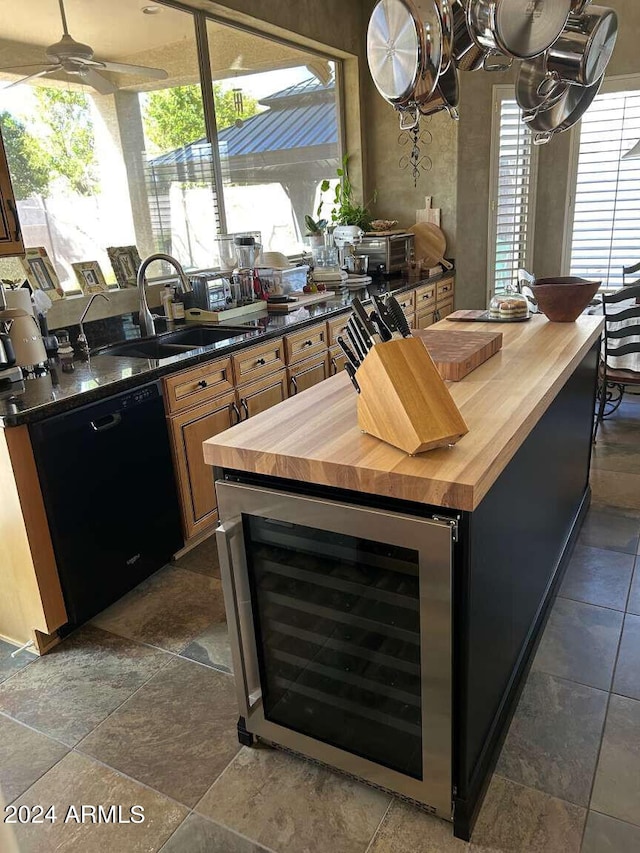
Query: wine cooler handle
[237, 598]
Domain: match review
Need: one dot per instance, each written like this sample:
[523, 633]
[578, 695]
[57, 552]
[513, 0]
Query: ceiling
[118, 30]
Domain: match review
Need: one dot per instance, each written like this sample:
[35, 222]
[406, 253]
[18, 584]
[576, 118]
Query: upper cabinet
[10, 231]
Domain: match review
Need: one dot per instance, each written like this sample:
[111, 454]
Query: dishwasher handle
[107, 422]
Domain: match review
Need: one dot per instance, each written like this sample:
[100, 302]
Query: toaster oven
[388, 254]
[212, 291]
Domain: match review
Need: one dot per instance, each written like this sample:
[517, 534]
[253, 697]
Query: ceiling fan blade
[124, 68]
[20, 67]
[33, 76]
[99, 83]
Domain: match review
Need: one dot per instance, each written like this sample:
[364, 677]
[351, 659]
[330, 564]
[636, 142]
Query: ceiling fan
[72, 57]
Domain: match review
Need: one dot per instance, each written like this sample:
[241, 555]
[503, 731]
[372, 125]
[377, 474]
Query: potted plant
[315, 229]
[346, 211]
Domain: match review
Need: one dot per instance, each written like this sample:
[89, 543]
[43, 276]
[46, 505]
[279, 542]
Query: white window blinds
[606, 228]
[513, 185]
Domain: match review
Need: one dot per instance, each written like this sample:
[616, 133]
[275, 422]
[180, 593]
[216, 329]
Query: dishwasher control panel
[140, 395]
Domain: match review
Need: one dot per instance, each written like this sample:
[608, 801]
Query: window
[514, 163]
[132, 162]
[606, 222]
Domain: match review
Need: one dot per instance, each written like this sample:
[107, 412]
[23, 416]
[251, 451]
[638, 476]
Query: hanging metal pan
[408, 44]
[519, 28]
[583, 51]
[536, 90]
[566, 112]
[446, 95]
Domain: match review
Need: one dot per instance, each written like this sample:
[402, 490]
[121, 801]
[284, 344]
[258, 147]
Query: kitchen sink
[174, 343]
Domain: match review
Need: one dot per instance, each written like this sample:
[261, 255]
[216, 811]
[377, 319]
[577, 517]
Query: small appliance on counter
[25, 338]
[388, 253]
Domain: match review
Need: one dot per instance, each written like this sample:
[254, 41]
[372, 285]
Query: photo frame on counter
[40, 272]
[125, 261]
[90, 277]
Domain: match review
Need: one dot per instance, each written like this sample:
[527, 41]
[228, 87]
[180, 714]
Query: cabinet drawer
[444, 290]
[195, 386]
[262, 395]
[251, 364]
[444, 309]
[407, 302]
[337, 360]
[195, 479]
[304, 344]
[337, 328]
[425, 297]
[308, 373]
[424, 319]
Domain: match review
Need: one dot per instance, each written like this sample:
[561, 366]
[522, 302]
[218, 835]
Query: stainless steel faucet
[82, 338]
[147, 326]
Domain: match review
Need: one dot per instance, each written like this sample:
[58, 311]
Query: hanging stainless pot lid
[565, 112]
[583, 51]
[405, 49]
[519, 28]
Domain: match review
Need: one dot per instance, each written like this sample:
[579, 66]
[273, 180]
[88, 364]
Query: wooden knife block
[404, 401]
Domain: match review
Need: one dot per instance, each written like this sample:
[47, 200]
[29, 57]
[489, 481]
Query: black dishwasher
[107, 479]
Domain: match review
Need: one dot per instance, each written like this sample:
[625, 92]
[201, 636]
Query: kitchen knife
[348, 352]
[386, 316]
[383, 330]
[398, 315]
[351, 371]
[358, 347]
[365, 320]
[363, 334]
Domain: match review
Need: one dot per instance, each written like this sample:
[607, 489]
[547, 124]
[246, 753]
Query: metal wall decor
[415, 159]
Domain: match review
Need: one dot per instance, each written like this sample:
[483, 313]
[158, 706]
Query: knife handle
[399, 316]
[351, 371]
[348, 352]
[383, 329]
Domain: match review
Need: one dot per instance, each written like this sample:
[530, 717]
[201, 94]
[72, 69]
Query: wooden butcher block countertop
[314, 437]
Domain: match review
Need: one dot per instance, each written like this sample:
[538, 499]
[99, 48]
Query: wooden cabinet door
[195, 479]
[262, 395]
[300, 346]
[10, 231]
[337, 360]
[425, 319]
[308, 373]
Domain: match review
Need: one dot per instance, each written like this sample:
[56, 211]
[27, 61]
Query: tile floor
[138, 708]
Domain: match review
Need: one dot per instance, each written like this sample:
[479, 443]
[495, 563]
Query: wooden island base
[516, 488]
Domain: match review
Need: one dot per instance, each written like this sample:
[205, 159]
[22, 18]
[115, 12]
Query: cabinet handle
[236, 411]
[260, 361]
[428, 296]
[245, 408]
[294, 384]
[307, 344]
[334, 364]
[202, 383]
[14, 212]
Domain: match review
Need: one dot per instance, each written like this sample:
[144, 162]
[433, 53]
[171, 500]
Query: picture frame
[125, 261]
[40, 272]
[90, 277]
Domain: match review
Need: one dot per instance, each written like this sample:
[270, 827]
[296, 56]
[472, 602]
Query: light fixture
[150, 10]
[238, 101]
[634, 153]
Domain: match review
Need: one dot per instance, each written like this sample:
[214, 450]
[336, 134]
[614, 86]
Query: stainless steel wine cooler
[340, 625]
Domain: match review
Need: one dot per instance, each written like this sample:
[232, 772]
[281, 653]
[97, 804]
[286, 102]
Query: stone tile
[212, 648]
[68, 691]
[407, 830]
[294, 806]
[77, 780]
[580, 643]
[616, 456]
[597, 576]
[616, 488]
[616, 791]
[199, 835]
[553, 741]
[177, 734]
[168, 610]
[25, 756]
[604, 834]
[9, 665]
[633, 605]
[626, 680]
[617, 531]
[515, 819]
[202, 559]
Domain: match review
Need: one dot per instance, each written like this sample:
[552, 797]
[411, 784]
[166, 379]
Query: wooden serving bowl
[562, 300]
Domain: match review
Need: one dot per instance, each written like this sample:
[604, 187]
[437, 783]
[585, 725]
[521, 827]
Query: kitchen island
[480, 534]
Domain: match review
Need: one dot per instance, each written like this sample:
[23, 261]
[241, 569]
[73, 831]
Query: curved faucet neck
[147, 326]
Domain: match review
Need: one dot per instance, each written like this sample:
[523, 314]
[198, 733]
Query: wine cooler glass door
[344, 631]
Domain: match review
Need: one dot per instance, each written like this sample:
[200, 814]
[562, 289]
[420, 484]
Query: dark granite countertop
[38, 398]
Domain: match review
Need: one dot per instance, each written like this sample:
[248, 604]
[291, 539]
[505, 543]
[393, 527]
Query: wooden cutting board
[303, 300]
[429, 244]
[457, 353]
